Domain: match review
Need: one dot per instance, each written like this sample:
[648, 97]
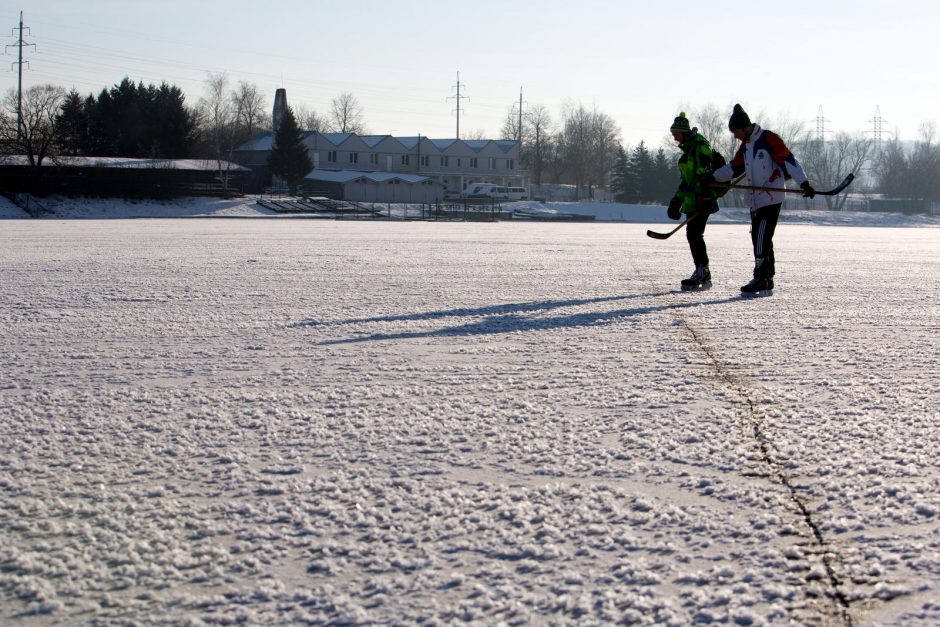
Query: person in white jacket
[767, 162]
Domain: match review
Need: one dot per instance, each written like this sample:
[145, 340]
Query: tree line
[138, 120]
[583, 148]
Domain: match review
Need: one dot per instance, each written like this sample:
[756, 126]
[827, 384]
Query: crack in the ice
[778, 475]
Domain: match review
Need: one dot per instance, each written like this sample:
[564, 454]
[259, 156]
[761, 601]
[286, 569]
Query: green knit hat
[680, 124]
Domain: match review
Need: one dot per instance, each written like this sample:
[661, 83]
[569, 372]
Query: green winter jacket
[696, 161]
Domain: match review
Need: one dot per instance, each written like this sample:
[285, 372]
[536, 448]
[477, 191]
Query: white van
[491, 190]
[480, 190]
[515, 193]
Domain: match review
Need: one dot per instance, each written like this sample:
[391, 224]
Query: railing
[29, 204]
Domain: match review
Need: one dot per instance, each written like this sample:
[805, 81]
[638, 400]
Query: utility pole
[19, 89]
[519, 132]
[458, 97]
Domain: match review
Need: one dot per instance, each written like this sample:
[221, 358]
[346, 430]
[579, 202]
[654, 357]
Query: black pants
[763, 225]
[695, 233]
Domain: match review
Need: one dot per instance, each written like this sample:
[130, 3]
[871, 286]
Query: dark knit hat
[739, 118]
[680, 124]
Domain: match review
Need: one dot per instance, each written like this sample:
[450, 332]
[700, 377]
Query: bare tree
[925, 164]
[913, 174]
[510, 128]
[474, 134]
[35, 136]
[217, 113]
[249, 108]
[890, 169]
[604, 144]
[535, 150]
[575, 142]
[589, 140]
[346, 115]
[310, 120]
[827, 163]
[712, 123]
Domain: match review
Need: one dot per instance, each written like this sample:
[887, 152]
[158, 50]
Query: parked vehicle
[480, 190]
[515, 193]
[497, 192]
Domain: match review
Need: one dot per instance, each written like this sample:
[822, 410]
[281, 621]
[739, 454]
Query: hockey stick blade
[838, 188]
[656, 235]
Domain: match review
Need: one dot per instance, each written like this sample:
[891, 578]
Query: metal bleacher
[327, 207]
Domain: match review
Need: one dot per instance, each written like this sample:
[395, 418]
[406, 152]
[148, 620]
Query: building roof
[264, 141]
[206, 165]
[347, 176]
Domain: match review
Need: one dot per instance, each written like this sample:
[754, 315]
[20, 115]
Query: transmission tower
[458, 98]
[20, 43]
[821, 126]
[876, 125]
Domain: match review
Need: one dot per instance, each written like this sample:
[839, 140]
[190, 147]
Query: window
[492, 164]
[331, 156]
[354, 157]
[473, 162]
[374, 159]
[405, 159]
[444, 161]
[511, 164]
[425, 160]
[459, 162]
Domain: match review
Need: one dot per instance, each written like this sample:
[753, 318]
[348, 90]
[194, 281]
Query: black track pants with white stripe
[763, 225]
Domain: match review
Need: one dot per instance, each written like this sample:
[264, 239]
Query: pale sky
[638, 61]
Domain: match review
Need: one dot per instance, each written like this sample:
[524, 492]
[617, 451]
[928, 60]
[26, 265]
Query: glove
[808, 190]
[675, 208]
[707, 179]
[711, 206]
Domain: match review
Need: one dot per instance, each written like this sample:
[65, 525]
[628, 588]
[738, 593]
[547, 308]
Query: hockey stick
[832, 192]
[656, 235]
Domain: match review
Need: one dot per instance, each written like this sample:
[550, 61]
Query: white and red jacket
[767, 162]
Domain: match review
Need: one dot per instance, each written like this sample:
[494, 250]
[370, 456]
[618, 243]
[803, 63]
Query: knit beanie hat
[739, 118]
[680, 124]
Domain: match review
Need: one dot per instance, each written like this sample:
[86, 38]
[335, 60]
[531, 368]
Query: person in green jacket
[694, 197]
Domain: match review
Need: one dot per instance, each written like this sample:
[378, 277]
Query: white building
[436, 166]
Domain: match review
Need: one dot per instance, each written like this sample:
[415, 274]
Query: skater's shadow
[491, 310]
[506, 318]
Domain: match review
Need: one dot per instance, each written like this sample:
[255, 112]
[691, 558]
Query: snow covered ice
[286, 421]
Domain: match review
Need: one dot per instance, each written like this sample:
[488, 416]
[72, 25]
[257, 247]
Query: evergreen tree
[666, 177]
[130, 120]
[289, 158]
[72, 125]
[644, 174]
[174, 128]
[620, 176]
[124, 125]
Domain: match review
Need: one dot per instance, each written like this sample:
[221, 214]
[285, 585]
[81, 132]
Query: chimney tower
[280, 107]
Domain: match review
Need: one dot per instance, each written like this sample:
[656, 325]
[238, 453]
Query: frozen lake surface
[287, 421]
